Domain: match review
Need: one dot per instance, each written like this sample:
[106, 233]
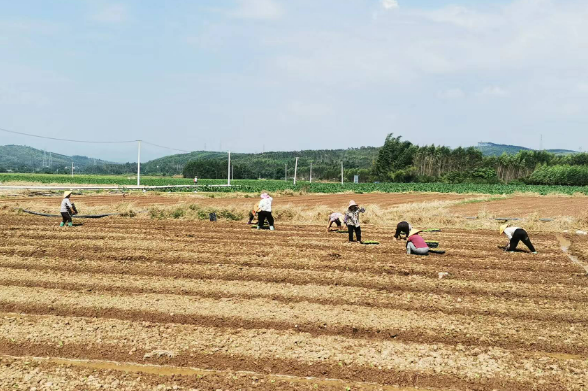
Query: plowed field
[524, 205]
[148, 304]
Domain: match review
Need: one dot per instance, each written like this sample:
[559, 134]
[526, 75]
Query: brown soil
[223, 298]
[524, 205]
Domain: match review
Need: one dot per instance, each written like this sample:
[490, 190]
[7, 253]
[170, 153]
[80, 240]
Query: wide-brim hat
[265, 195]
[352, 203]
[414, 231]
[503, 227]
[66, 194]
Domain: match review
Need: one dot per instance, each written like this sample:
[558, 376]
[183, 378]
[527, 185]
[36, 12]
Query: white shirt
[509, 231]
[64, 204]
[265, 205]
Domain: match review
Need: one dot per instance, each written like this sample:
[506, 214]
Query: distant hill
[20, 158]
[491, 149]
[270, 165]
[353, 158]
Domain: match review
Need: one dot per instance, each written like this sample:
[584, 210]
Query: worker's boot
[271, 227]
[61, 224]
[70, 224]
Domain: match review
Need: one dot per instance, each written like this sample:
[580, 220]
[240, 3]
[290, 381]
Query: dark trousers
[520, 235]
[251, 216]
[402, 227]
[350, 229]
[66, 217]
[261, 216]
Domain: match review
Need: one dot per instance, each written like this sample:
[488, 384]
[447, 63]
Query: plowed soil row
[286, 352]
[390, 283]
[74, 374]
[316, 319]
[535, 309]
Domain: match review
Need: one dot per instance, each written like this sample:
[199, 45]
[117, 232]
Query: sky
[267, 75]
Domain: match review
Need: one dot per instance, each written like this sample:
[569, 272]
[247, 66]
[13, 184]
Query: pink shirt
[418, 241]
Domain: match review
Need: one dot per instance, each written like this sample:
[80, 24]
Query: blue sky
[249, 75]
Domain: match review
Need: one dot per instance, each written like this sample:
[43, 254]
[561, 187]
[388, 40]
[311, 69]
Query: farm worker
[253, 212]
[335, 217]
[195, 180]
[402, 228]
[516, 235]
[352, 220]
[265, 211]
[67, 210]
[415, 244]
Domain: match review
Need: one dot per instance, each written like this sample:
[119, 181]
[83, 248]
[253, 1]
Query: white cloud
[494, 91]
[257, 9]
[451, 94]
[113, 13]
[389, 4]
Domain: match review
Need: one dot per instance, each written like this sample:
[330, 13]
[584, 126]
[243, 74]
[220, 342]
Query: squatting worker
[516, 235]
[352, 220]
[265, 211]
[67, 209]
[415, 244]
[335, 217]
[402, 228]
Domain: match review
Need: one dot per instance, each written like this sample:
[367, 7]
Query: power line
[170, 148]
[92, 142]
[69, 140]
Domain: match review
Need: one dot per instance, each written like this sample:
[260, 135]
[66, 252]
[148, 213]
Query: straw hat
[352, 203]
[414, 231]
[66, 194]
[503, 227]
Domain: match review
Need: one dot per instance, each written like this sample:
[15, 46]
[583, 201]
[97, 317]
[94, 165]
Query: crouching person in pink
[415, 244]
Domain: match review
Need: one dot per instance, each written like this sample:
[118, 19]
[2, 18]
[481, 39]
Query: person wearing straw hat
[415, 244]
[516, 235]
[265, 211]
[67, 210]
[352, 220]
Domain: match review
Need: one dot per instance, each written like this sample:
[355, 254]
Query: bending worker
[415, 244]
[265, 211]
[67, 210]
[516, 235]
[402, 228]
[335, 217]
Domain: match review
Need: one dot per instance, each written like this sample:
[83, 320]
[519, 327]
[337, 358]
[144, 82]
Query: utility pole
[229, 170]
[72, 168]
[295, 171]
[341, 172]
[138, 162]
[310, 172]
[286, 172]
[233, 172]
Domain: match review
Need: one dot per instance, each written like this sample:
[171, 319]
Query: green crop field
[252, 186]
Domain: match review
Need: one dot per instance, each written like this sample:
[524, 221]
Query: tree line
[402, 161]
